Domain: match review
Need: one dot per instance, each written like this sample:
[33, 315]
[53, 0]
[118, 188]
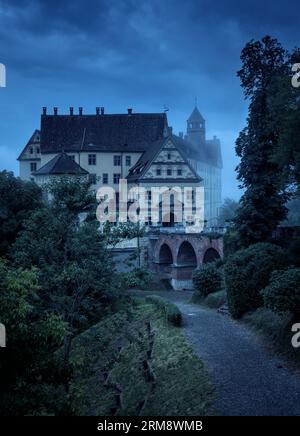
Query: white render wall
[25, 170]
[212, 191]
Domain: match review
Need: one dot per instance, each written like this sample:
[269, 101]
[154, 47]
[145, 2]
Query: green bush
[137, 278]
[231, 242]
[170, 310]
[283, 292]
[216, 300]
[247, 272]
[206, 279]
[275, 331]
[293, 252]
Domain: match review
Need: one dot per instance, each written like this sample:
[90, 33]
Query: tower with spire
[205, 156]
[195, 132]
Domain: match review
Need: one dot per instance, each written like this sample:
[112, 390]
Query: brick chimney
[97, 110]
[55, 110]
[80, 111]
[44, 110]
[71, 111]
[102, 110]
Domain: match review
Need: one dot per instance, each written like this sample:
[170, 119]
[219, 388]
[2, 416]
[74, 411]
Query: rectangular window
[169, 172]
[37, 150]
[117, 160]
[128, 161]
[32, 166]
[105, 178]
[179, 172]
[169, 156]
[116, 178]
[158, 172]
[92, 159]
[31, 150]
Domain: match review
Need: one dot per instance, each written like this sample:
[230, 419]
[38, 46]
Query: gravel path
[249, 380]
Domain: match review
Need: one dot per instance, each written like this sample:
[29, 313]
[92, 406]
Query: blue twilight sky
[132, 53]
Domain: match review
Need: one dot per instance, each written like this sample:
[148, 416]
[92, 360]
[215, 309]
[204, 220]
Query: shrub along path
[249, 380]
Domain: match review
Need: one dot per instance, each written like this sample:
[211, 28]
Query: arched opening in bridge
[186, 255]
[211, 255]
[165, 255]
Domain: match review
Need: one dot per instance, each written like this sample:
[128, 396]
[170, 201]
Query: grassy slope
[109, 360]
[275, 330]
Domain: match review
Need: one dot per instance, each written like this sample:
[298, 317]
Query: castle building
[140, 147]
[205, 156]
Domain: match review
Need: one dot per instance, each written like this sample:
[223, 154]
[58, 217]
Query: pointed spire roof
[61, 164]
[195, 116]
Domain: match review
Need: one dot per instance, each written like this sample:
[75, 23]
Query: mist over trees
[227, 212]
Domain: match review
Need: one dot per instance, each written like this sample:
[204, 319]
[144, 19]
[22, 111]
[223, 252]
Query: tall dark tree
[74, 266]
[17, 200]
[262, 205]
[285, 104]
[32, 380]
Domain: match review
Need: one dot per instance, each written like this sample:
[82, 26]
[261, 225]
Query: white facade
[212, 182]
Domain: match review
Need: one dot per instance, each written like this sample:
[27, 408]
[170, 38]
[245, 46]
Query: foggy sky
[130, 53]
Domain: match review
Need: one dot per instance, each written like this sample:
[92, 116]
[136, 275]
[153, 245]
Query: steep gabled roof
[32, 140]
[138, 171]
[60, 164]
[107, 132]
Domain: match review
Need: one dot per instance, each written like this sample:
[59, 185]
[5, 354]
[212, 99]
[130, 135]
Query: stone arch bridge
[175, 256]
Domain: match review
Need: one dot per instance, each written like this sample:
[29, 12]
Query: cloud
[124, 53]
